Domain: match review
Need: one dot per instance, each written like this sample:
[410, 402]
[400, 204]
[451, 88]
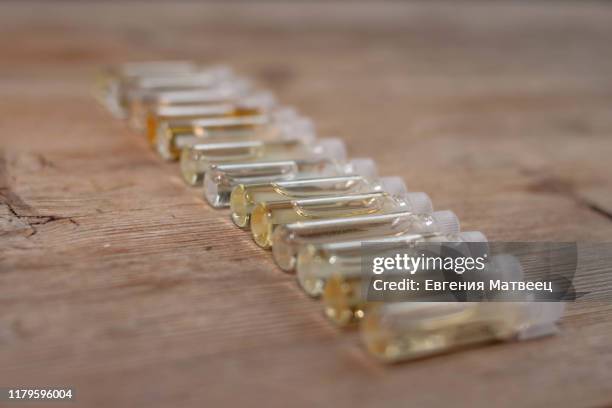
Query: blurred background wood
[119, 281]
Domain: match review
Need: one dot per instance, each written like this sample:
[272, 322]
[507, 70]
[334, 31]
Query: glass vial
[167, 121]
[310, 246]
[194, 148]
[277, 124]
[147, 102]
[245, 197]
[201, 80]
[221, 180]
[338, 265]
[199, 158]
[111, 81]
[265, 217]
[117, 87]
[403, 331]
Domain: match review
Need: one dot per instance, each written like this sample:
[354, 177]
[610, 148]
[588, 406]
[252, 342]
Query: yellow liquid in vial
[140, 109]
[175, 133]
[266, 216]
[289, 242]
[409, 330]
[344, 292]
[315, 266]
[195, 162]
[342, 298]
[154, 121]
[245, 197]
[426, 329]
[343, 286]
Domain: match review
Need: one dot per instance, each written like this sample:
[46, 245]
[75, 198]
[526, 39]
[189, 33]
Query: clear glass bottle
[356, 176]
[394, 332]
[309, 246]
[202, 80]
[148, 101]
[110, 82]
[339, 267]
[278, 124]
[220, 180]
[165, 122]
[202, 157]
[194, 159]
[247, 196]
[265, 217]
[283, 123]
[118, 86]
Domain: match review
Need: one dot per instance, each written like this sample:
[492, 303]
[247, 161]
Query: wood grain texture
[119, 281]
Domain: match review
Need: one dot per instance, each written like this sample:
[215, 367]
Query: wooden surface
[119, 281]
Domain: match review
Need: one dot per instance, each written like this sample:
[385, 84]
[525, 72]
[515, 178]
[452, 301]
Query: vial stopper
[544, 315]
[365, 167]
[419, 203]
[506, 267]
[477, 243]
[394, 185]
[285, 113]
[332, 148]
[446, 222]
[299, 128]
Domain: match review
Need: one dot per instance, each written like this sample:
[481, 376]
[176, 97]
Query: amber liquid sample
[223, 179]
[150, 101]
[196, 160]
[169, 126]
[288, 239]
[340, 271]
[267, 216]
[245, 197]
[405, 331]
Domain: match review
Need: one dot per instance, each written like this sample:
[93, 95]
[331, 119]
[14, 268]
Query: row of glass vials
[313, 206]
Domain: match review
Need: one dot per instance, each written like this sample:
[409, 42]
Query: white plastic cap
[507, 267]
[285, 113]
[419, 203]
[504, 267]
[446, 222]
[477, 243]
[331, 148]
[394, 185]
[364, 166]
[300, 128]
[544, 315]
[259, 100]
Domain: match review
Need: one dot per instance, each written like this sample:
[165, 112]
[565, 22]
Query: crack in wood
[564, 188]
[597, 209]
[16, 206]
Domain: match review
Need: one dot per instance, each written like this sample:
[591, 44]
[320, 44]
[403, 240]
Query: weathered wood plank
[119, 281]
